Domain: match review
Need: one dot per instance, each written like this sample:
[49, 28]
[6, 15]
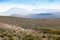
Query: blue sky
[29, 1]
[29, 4]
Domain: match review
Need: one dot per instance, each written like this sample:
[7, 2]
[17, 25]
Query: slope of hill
[11, 32]
[32, 23]
[13, 28]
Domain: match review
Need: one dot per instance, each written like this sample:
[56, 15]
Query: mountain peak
[14, 10]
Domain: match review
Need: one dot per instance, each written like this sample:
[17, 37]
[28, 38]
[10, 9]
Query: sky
[29, 4]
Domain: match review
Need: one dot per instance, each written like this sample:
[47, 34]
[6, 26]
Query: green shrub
[58, 38]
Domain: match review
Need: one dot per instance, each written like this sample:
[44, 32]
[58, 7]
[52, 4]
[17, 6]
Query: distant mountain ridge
[14, 10]
[44, 15]
[36, 13]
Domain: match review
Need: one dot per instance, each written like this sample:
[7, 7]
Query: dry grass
[32, 23]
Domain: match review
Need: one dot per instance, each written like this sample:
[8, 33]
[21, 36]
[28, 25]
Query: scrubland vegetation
[34, 29]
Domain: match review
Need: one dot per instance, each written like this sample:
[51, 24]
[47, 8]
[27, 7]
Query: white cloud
[5, 7]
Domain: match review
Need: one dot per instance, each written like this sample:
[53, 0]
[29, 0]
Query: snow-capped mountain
[14, 10]
[35, 13]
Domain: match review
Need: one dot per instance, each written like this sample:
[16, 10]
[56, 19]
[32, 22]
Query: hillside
[32, 23]
[13, 28]
[11, 32]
